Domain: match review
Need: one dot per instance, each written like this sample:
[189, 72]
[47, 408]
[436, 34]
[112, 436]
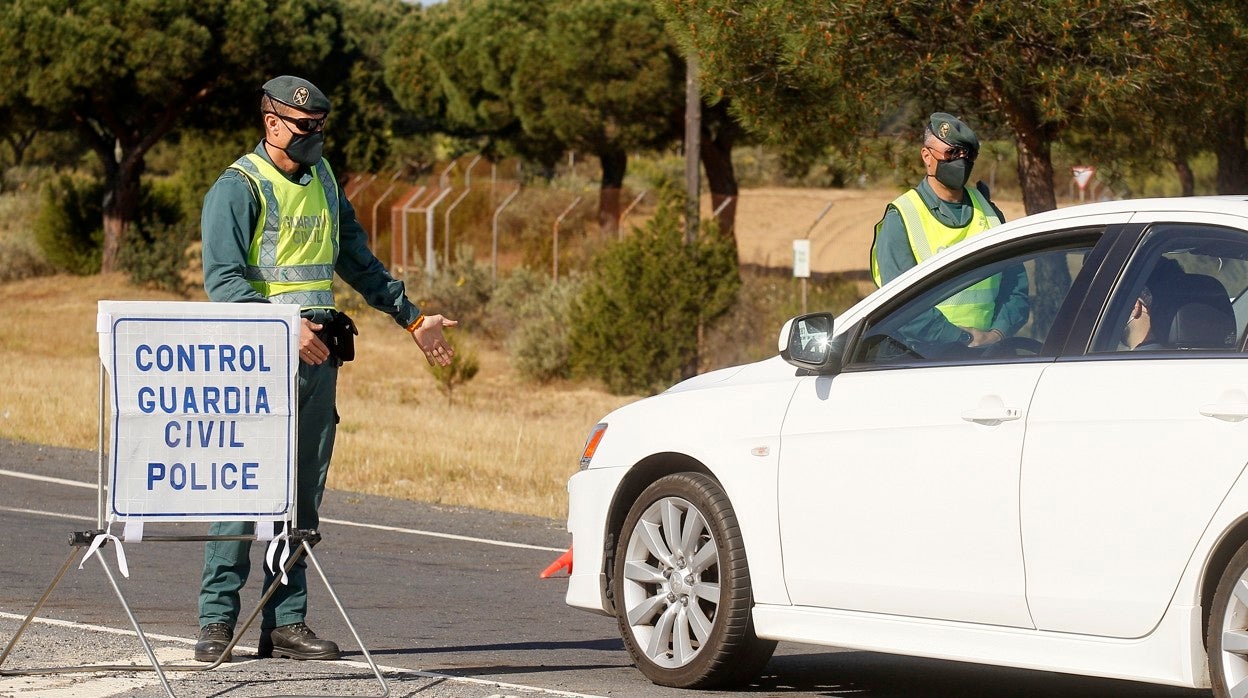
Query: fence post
[554, 265]
[372, 229]
[629, 209]
[367, 183]
[398, 244]
[446, 218]
[494, 242]
[431, 262]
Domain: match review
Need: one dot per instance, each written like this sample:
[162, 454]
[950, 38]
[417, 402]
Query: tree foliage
[636, 324]
[125, 73]
[818, 73]
[367, 118]
[538, 77]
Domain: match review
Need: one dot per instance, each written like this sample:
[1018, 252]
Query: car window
[1183, 289]
[1005, 307]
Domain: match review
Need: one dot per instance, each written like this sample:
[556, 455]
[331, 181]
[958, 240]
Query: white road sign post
[801, 265]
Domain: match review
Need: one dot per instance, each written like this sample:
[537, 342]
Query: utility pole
[693, 146]
[693, 149]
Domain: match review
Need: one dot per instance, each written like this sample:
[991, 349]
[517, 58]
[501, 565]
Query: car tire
[1227, 636]
[683, 594]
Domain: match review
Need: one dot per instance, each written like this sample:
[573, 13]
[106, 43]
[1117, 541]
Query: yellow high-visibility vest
[975, 305]
[295, 243]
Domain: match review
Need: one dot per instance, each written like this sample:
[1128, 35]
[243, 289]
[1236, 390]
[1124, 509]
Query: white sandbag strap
[99, 540]
[277, 554]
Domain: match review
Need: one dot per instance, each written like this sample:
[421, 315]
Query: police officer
[276, 227]
[942, 211]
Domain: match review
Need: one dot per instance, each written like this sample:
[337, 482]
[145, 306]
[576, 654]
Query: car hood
[713, 418]
[765, 371]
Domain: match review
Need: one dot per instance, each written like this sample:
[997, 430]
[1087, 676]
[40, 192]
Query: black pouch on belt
[340, 337]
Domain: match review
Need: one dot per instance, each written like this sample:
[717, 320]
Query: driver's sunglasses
[306, 124]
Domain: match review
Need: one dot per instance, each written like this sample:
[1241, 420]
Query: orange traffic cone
[564, 562]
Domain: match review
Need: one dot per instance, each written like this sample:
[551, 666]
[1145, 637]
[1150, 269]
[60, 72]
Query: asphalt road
[447, 600]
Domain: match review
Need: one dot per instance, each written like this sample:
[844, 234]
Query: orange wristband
[420, 320]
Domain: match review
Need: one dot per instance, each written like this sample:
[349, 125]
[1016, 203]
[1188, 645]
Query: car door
[898, 477]
[1130, 451]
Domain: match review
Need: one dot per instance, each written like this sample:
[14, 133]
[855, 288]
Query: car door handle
[1226, 411]
[991, 415]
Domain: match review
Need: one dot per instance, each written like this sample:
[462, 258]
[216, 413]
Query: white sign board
[801, 259]
[204, 409]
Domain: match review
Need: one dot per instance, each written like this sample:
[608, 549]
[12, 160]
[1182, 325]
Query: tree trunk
[614, 166]
[1035, 176]
[1186, 179]
[719, 134]
[121, 209]
[1231, 152]
[1035, 172]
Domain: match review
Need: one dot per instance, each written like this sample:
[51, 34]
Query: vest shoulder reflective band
[295, 243]
[973, 306]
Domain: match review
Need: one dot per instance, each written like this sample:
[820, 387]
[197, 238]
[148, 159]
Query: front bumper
[590, 493]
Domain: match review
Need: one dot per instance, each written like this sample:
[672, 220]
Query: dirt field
[768, 220]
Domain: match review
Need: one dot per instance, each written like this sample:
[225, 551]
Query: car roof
[1236, 204]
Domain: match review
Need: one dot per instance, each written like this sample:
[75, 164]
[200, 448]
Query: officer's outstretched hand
[432, 342]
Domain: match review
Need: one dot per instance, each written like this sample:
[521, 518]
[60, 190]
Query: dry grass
[502, 445]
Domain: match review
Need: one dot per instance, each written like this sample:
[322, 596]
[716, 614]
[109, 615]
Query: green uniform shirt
[229, 222]
[893, 255]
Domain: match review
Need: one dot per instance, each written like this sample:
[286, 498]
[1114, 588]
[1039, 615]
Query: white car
[1070, 498]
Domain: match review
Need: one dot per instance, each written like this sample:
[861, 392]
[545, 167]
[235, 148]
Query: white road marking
[65, 686]
[54, 514]
[53, 480]
[76, 685]
[339, 522]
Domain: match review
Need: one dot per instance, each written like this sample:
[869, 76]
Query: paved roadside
[49, 644]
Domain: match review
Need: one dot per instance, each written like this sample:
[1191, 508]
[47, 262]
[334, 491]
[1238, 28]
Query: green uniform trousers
[228, 563]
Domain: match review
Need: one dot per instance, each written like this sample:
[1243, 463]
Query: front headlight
[591, 444]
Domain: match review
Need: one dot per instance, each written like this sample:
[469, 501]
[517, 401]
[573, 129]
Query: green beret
[952, 131]
[298, 93]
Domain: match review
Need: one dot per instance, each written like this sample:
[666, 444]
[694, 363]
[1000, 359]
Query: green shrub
[463, 367]
[20, 260]
[512, 298]
[69, 231]
[748, 331]
[636, 324]
[540, 311]
[154, 252]
[20, 257]
[459, 291]
[70, 226]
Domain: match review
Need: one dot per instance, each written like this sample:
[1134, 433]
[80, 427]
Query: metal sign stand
[301, 542]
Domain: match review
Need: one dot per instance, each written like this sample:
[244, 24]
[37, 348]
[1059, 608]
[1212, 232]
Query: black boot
[295, 641]
[212, 641]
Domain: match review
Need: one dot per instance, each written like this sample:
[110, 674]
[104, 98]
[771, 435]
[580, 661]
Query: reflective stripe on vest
[975, 305]
[295, 243]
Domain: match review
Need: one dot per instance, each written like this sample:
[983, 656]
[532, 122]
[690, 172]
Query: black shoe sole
[210, 657]
[270, 653]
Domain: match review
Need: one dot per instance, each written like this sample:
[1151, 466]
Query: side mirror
[806, 342]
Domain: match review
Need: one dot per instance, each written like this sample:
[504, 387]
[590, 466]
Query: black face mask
[304, 148]
[954, 173]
